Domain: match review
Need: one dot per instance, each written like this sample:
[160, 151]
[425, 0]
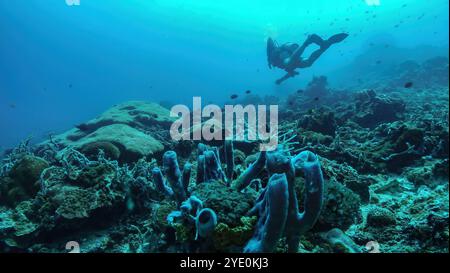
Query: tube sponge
[272, 207]
[278, 207]
[186, 176]
[229, 159]
[160, 183]
[298, 223]
[200, 169]
[188, 208]
[173, 174]
[191, 206]
[251, 172]
[208, 165]
[205, 222]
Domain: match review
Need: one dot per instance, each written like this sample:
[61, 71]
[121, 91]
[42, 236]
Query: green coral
[225, 237]
[77, 203]
[228, 203]
[341, 207]
[161, 212]
[22, 182]
[183, 232]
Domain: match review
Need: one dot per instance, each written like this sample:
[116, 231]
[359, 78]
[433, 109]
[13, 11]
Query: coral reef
[354, 168]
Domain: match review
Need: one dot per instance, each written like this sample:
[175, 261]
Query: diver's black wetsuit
[288, 56]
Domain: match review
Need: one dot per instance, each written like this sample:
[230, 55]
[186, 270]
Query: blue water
[61, 65]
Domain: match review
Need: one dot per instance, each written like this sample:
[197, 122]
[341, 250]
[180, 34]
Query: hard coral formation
[229, 204]
[341, 207]
[22, 180]
[136, 129]
[372, 109]
[380, 217]
[321, 121]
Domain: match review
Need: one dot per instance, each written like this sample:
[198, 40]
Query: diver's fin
[270, 49]
[337, 38]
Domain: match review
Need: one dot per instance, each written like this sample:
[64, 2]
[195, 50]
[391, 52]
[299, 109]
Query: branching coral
[16, 154]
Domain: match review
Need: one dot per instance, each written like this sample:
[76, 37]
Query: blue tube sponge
[205, 222]
[284, 168]
[299, 222]
[272, 208]
[251, 172]
[186, 176]
[208, 165]
[188, 208]
[229, 159]
[160, 183]
[173, 174]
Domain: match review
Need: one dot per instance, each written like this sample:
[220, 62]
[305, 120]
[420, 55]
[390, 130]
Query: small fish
[378, 62]
[248, 92]
[316, 98]
[299, 91]
[12, 105]
[408, 85]
[234, 96]
[70, 85]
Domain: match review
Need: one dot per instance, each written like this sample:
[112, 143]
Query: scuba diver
[289, 56]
